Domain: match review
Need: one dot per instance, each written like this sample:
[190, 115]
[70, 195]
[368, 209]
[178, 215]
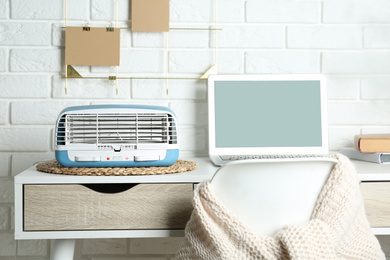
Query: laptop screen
[267, 113]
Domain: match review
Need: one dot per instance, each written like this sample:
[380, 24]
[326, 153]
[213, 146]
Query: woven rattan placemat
[55, 167]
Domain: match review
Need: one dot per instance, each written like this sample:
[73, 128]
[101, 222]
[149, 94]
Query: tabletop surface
[205, 171]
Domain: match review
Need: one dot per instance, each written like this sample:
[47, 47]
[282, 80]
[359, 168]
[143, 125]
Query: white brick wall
[42, 113]
[7, 244]
[251, 36]
[348, 41]
[269, 11]
[188, 39]
[359, 113]
[4, 218]
[36, 60]
[153, 62]
[33, 248]
[6, 192]
[340, 136]
[200, 11]
[324, 37]
[356, 62]
[3, 9]
[24, 86]
[4, 162]
[149, 39]
[232, 11]
[82, 90]
[192, 140]
[153, 89]
[283, 62]
[105, 10]
[25, 139]
[343, 88]
[25, 34]
[231, 62]
[376, 37]
[3, 60]
[194, 61]
[23, 160]
[374, 11]
[375, 88]
[105, 246]
[48, 9]
[4, 112]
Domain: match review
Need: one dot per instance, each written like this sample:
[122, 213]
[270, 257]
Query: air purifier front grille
[131, 128]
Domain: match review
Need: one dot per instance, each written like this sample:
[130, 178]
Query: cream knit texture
[338, 228]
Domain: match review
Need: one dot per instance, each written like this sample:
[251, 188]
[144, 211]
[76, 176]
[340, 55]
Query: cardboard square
[150, 15]
[97, 46]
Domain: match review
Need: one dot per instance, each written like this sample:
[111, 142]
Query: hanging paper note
[92, 46]
[150, 15]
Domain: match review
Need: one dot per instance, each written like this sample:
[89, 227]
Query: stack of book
[370, 148]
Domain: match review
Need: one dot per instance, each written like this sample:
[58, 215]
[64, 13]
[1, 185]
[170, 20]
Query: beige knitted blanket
[338, 228]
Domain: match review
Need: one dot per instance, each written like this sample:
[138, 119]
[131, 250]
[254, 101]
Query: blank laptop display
[254, 116]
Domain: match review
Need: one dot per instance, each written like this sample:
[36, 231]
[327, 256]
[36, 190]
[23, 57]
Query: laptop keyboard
[248, 157]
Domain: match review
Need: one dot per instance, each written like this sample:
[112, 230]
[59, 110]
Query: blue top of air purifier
[161, 108]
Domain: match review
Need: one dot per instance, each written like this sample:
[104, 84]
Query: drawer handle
[110, 188]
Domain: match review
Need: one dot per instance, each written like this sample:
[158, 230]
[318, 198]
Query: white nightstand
[64, 207]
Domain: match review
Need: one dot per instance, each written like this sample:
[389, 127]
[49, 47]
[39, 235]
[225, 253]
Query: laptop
[267, 116]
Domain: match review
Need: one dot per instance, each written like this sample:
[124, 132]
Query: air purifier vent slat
[117, 128]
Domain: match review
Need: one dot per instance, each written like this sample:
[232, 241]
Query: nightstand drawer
[376, 197]
[106, 206]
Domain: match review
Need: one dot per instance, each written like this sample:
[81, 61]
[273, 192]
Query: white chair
[269, 194]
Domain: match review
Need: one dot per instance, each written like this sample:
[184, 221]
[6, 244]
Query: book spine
[373, 145]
